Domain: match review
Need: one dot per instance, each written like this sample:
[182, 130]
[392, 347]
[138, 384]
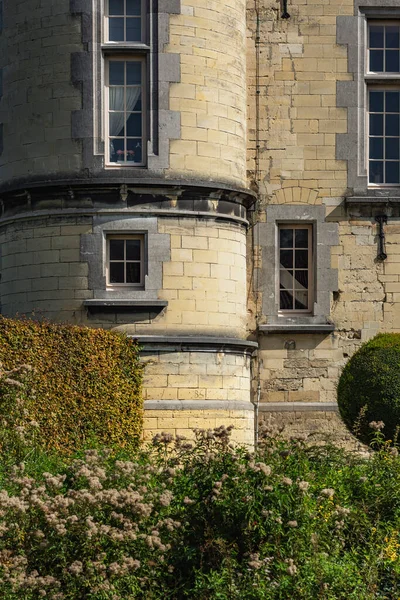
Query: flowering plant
[200, 519]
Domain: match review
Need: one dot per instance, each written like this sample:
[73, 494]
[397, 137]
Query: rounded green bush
[369, 387]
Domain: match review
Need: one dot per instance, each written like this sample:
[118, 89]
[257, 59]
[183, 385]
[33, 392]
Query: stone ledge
[297, 328]
[298, 407]
[195, 343]
[197, 405]
[378, 199]
[126, 305]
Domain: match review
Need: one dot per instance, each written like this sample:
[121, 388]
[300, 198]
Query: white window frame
[125, 163]
[125, 51]
[125, 237]
[377, 80]
[310, 268]
[106, 28]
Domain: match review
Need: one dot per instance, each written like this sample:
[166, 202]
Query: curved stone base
[182, 418]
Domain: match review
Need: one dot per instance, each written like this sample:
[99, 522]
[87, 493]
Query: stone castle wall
[211, 95]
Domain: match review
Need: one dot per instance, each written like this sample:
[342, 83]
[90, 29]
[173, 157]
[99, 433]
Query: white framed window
[383, 47]
[382, 81]
[125, 111]
[125, 54]
[295, 271]
[125, 260]
[384, 135]
[124, 21]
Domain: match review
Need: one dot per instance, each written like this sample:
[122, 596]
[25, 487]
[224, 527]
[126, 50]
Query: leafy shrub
[369, 387]
[204, 521]
[84, 384]
[200, 520]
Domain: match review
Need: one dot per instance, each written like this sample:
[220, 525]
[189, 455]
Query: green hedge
[369, 387]
[85, 383]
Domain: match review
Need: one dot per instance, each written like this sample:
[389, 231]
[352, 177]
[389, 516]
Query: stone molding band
[197, 405]
[81, 212]
[265, 407]
[298, 407]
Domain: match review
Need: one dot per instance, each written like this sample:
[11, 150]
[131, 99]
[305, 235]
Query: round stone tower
[123, 189]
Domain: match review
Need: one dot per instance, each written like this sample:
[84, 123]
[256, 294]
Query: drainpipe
[256, 412]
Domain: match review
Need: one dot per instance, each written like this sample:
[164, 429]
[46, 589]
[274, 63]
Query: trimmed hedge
[85, 383]
[370, 386]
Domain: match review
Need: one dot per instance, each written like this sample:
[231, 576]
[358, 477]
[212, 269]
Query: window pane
[392, 125]
[133, 249]
[117, 98]
[133, 72]
[286, 238]
[286, 258]
[301, 302]
[117, 249]
[376, 101]
[392, 61]
[391, 149]
[392, 172]
[117, 151]
[135, 150]
[301, 259]
[132, 272]
[376, 148]
[116, 7]
[376, 60]
[376, 124]
[392, 102]
[134, 125]
[286, 300]
[138, 97]
[375, 172]
[133, 29]
[133, 7]
[301, 238]
[117, 124]
[301, 278]
[117, 272]
[376, 36]
[392, 37]
[116, 29]
[117, 72]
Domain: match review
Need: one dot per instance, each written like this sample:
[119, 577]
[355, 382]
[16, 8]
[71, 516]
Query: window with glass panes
[125, 21]
[383, 103]
[125, 122]
[125, 262]
[384, 136]
[295, 268]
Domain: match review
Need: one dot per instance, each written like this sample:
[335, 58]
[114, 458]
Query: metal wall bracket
[381, 220]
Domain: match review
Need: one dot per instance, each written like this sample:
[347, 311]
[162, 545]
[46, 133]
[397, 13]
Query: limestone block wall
[205, 281]
[196, 375]
[46, 270]
[187, 389]
[210, 38]
[41, 268]
[38, 96]
[295, 66]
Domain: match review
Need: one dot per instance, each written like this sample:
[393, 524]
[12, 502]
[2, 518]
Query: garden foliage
[198, 520]
[369, 387]
[84, 384]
